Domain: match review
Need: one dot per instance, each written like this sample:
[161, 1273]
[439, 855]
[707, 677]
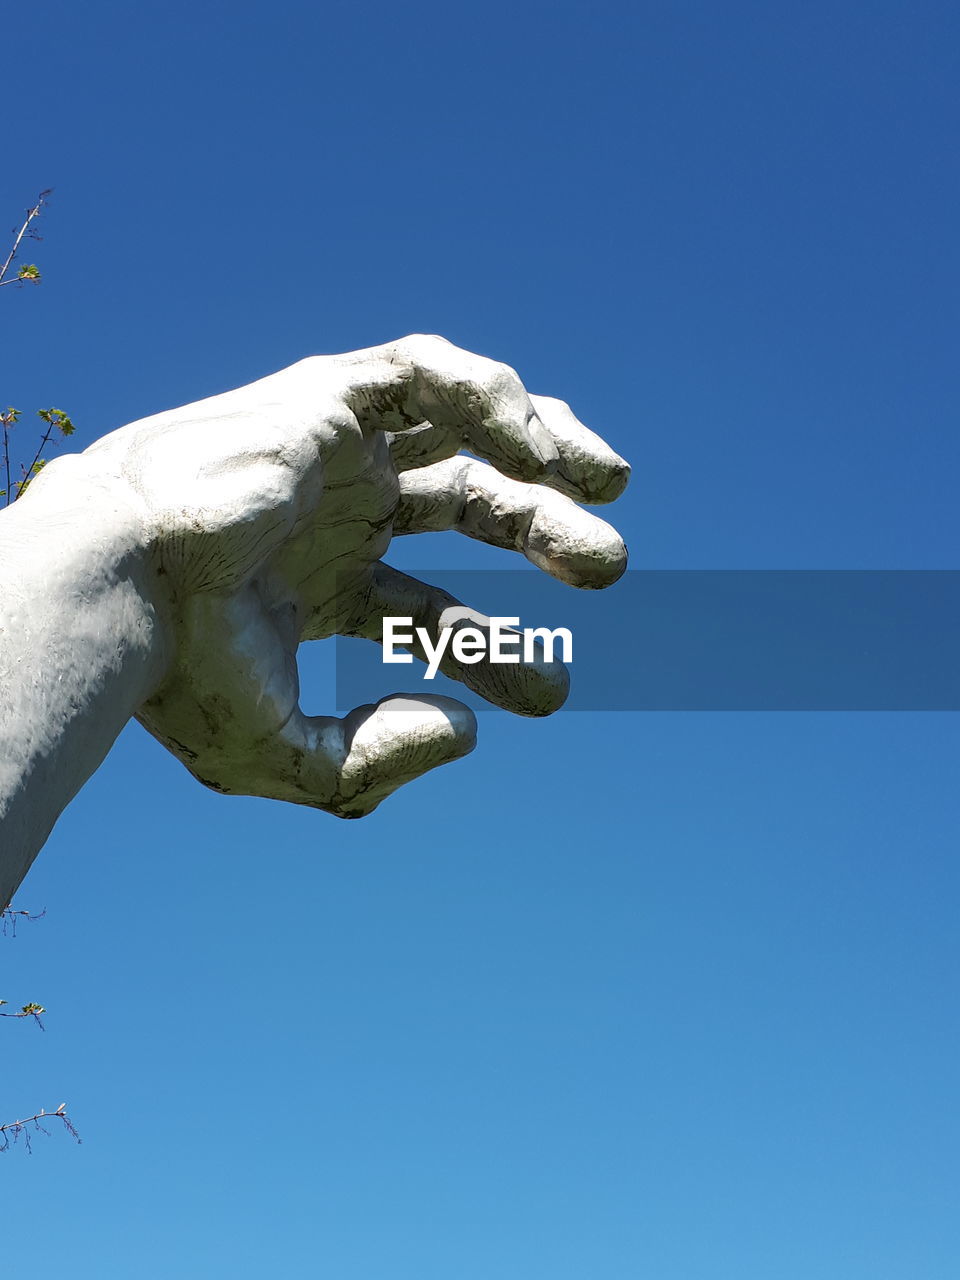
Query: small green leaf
[29, 272]
[57, 418]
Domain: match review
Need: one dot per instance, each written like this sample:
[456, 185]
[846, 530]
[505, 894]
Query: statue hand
[268, 510]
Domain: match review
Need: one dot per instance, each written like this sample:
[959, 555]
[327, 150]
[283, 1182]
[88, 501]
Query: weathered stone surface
[171, 570]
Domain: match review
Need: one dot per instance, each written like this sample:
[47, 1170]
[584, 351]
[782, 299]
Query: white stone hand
[272, 507]
[186, 556]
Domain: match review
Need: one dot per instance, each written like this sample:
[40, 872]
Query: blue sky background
[621, 995]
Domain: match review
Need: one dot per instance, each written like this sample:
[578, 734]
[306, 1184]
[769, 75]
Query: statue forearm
[81, 648]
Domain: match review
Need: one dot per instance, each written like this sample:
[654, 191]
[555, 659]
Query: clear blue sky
[621, 995]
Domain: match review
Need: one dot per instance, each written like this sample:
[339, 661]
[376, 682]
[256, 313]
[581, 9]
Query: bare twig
[31, 214]
[54, 418]
[11, 915]
[6, 458]
[28, 1011]
[28, 471]
[19, 279]
[11, 1133]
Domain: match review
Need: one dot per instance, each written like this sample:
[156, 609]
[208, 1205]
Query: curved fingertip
[595, 481]
[591, 559]
[460, 717]
[589, 470]
[530, 688]
[613, 482]
[540, 689]
[394, 741]
[436, 716]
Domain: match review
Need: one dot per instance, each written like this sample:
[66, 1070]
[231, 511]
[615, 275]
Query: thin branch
[12, 1132]
[28, 471]
[28, 1011]
[6, 461]
[12, 915]
[54, 418]
[31, 214]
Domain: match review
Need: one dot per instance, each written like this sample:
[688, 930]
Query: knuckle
[502, 384]
[422, 346]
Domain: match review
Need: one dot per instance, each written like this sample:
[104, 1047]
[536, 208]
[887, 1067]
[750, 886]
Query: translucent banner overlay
[714, 640]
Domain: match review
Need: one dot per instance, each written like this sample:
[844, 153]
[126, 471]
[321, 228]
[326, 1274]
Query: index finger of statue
[421, 379]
